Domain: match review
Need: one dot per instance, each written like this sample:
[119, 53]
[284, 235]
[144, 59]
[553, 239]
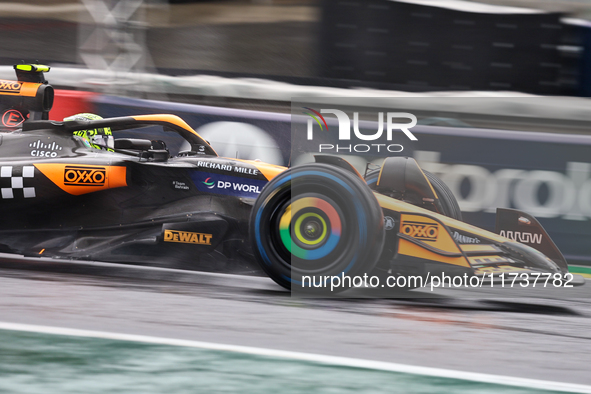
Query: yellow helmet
[101, 138]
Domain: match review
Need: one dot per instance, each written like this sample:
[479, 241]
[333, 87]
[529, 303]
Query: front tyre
[446, 197]
[317, 221]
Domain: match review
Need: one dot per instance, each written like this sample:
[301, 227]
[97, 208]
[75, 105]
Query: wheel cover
[310, 228]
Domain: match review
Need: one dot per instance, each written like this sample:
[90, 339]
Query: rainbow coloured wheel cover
[310, 228]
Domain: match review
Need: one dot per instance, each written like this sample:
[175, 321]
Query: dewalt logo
[84, 176]
[187, 237]
[421, 231]
[10, 87]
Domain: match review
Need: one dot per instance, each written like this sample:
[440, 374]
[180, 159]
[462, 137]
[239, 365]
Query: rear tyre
[316, 220]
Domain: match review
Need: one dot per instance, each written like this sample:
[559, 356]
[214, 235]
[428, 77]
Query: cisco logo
[44, 150]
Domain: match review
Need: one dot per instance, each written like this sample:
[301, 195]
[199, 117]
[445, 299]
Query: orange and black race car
[163, 196]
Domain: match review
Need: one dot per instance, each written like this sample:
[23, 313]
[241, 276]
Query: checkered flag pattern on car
[12, 182]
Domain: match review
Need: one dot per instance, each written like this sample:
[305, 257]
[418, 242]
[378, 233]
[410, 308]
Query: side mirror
[133, 143]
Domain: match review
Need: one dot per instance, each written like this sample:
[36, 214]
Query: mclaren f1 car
[147, 203]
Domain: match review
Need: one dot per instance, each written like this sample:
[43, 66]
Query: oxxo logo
[84, 176]
[419, 230]
[10, 87]
[345, 131]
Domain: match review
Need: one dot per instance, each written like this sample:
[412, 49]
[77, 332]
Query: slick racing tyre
[446, 197]
[316, 220]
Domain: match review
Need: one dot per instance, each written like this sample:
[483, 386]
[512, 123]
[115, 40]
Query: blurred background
[531, 46]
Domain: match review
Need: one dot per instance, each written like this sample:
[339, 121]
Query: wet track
[484, 331]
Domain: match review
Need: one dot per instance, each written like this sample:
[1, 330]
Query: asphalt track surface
[511, 333]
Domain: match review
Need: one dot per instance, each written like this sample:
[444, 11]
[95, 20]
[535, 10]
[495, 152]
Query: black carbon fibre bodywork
[60, 198]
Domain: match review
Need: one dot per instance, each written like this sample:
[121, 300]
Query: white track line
[314, 358]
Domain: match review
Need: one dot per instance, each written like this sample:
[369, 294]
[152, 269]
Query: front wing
[449, 245]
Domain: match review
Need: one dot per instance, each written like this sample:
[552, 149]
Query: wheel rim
[310, 228]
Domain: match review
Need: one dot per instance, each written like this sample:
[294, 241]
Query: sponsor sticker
[41, 149]
[209, 183]
[228, 167]
[464, 239]
[12, 118]
[178, 185]
[10, 87]
[389, 223]
[523, 237]
[82, 179]
[187, 237]
[227, 184]
[84, 176]
[419, 230]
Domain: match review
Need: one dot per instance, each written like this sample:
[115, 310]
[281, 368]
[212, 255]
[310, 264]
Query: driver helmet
[101, 138]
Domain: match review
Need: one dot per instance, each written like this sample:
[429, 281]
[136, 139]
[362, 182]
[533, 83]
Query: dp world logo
[344, 134]
[209, 183]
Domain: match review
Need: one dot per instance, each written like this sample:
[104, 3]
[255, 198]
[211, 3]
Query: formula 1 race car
[147, 203]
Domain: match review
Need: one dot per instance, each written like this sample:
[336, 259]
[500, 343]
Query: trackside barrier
[547, 175]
